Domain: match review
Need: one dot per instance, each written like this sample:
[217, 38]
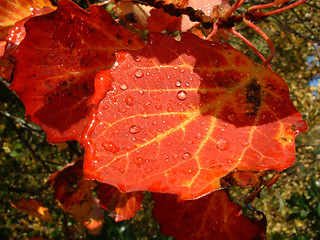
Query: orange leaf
[59, 58]
[182, 115]
[211, 217]
[122, 206]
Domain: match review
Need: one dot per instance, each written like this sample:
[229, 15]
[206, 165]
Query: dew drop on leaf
[138, 161]
[231, 117]
[109, 146]
[176, 156]
[137, 59]
[186, 156]
[158, 107]
[222, 144]
[134, 129]
[129, 100]
[245, 144]
[203, 91]
[123, 86]
[182, 95]
[138, 73]
[148, 170]
[178, 83]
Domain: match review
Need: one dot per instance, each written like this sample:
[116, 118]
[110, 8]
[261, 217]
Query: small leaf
[33, 207]
[72, 191]
[122, 206]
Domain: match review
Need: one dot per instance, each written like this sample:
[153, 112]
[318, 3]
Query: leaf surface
[122, 206]
[57, 63]
[211, 217]
[13, 15]
[181, 115]
[74, 192]
[33, 207]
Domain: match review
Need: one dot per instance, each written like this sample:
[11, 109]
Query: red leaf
[33, 207]
[69, 186]
[58, 60]
[181, 115]
[12, 18]
[211, 217]
[122, 206]
[73, 192]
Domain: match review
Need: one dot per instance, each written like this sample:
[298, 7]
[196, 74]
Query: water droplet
[245, 144]
[138, 73]
[178, 83]
[203, 91]
[122, 110]
[175, 67]
[182, 70]
[186, 156]
[155, 123]
[129, 100]
[231, 117]
[187, 84]
[123, 86]
[133, 139]
[148, 170]
[223, 144]
[109, 146]
[199, 136]
[176, 156]
[137, 58]
[138, 161]
[158, 107]
[134, 129]
[121, 170]
[182, 95]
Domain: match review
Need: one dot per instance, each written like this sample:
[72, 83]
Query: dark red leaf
[74, 192]
[122, 206]
[57, 62]
[211, 217]
[181, 115]
[33, 207]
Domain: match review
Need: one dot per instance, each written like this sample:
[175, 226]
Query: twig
[34, 154]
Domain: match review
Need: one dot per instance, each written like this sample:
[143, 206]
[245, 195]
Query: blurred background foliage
[292, 206]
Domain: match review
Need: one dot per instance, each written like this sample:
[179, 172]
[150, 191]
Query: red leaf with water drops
[181, 115]
[211, 217]
[121, 206]
[59, 58]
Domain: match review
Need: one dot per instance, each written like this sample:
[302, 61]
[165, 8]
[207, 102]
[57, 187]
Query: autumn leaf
[58, 59]
[122, 206]
[159, 20]
[211, 217]
[73, 192]
[182, 115]
[12, 18]
[94, 224]
[33, 207]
